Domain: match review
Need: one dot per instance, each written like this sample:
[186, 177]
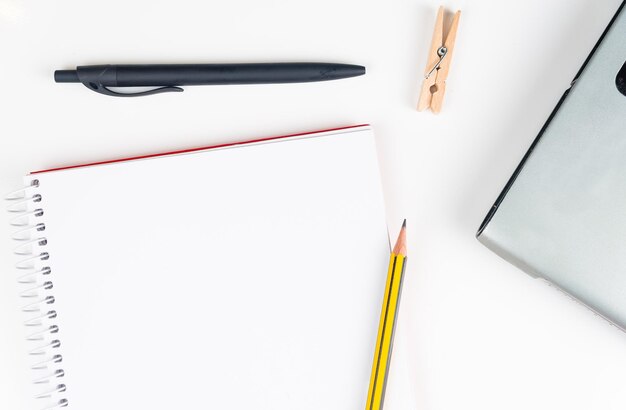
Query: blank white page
[246, 277]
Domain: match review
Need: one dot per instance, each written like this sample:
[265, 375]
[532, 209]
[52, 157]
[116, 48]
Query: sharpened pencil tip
[400, 247]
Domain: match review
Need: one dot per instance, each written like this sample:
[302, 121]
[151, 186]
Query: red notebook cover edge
[188, 150]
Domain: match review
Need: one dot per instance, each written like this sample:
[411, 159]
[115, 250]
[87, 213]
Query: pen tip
[404, 223]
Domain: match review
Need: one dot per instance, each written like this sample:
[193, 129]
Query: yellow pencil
[386, 328]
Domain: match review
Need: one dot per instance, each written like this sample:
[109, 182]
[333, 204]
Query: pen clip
[99, 88]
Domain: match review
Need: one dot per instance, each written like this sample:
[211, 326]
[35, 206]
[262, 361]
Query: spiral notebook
[211, 278]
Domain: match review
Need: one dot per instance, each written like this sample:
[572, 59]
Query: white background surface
[474, 332]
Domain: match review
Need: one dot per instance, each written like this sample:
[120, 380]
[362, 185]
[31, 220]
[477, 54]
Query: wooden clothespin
[439, 59]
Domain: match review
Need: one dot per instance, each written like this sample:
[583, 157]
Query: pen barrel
[215, 74]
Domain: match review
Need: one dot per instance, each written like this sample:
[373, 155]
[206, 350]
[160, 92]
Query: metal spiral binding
[35, 278]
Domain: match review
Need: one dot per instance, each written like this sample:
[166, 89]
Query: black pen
[167, 77]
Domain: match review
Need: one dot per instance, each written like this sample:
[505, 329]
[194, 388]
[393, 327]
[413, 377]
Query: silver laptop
[562, 215]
